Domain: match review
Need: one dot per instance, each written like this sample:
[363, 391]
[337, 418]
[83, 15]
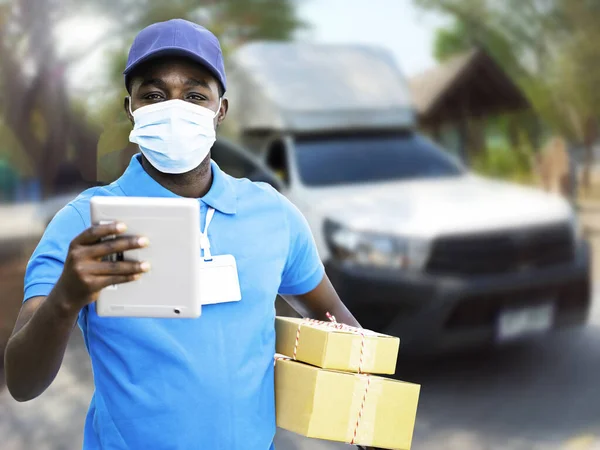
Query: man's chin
[200, 168]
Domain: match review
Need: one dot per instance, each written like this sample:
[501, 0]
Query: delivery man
[171, 384]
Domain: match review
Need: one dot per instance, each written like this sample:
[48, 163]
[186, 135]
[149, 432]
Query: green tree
[459, 38]
[552, 53]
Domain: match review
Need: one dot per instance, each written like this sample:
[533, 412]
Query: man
[177, 384]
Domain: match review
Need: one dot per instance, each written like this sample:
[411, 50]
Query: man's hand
[35, 350]
[85, 274]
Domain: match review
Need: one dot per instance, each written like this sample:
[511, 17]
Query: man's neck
[193, 184]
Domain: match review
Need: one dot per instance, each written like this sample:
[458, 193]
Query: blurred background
[507, 90]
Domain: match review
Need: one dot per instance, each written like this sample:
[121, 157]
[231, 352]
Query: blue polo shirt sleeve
[46, 263]
[303, 269]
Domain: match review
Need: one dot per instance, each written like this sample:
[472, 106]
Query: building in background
[454, 99]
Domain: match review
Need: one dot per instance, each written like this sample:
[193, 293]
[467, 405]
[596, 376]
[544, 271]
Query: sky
[397, 25]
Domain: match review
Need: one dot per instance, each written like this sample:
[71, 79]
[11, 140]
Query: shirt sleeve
[303, 269]
[46, 264]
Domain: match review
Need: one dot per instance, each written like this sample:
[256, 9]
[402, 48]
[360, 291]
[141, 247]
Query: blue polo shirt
[203, 383]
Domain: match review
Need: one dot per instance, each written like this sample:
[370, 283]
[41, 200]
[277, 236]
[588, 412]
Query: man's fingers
[118, 245]
[93, 234]
[105, 281]
[117, 268]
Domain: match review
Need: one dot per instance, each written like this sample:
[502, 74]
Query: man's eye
[196, 97]
[153, 97]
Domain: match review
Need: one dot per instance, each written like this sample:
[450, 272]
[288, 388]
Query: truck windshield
[361, 159]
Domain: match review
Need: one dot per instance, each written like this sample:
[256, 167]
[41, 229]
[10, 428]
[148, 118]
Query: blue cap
[177, 37]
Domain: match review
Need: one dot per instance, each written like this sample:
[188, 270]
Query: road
[540, 395]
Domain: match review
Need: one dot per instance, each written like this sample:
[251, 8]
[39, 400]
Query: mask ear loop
[130, 111]
[218, 109]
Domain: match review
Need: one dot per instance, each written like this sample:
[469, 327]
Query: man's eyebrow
[196, 82]
[154, 82]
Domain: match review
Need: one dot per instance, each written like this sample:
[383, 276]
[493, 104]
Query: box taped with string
[346, 407]
[335, 346]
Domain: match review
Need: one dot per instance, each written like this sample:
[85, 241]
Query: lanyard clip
[205, 246]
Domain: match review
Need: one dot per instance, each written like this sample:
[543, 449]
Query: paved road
[542, 395]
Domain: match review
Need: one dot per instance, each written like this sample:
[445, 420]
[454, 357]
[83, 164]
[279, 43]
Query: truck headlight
[377, 250]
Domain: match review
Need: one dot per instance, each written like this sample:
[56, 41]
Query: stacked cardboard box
[321, 394]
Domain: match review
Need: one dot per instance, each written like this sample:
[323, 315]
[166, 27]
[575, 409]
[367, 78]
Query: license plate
[514, 323]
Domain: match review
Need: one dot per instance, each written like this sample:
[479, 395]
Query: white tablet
[171, 287]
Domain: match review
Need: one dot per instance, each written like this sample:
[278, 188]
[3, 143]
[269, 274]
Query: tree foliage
[548, 46]
[459, 38]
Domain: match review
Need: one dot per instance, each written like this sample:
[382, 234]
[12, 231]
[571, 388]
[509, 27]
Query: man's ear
[126, 105]
[223, 111]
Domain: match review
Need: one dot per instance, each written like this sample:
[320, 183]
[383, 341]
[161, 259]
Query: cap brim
[173, 51]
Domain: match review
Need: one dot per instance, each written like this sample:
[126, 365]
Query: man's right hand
[85, 274]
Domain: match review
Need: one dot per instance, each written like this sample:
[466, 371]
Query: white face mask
[175, 136]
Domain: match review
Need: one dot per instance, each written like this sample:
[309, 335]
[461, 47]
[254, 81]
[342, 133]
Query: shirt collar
[135, 182]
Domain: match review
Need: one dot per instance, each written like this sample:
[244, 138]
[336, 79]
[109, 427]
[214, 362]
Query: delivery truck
[416, 244]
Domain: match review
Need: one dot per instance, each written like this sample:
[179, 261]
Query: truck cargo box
[299, 87]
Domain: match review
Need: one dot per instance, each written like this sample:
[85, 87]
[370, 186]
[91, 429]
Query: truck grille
[571, 298]
[503, 251]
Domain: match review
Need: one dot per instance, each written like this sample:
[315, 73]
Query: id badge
[219, 282]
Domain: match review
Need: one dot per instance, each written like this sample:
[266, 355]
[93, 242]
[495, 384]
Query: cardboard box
[323, 345]
[332, 405]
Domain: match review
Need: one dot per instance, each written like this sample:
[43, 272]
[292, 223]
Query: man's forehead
[174, 68]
